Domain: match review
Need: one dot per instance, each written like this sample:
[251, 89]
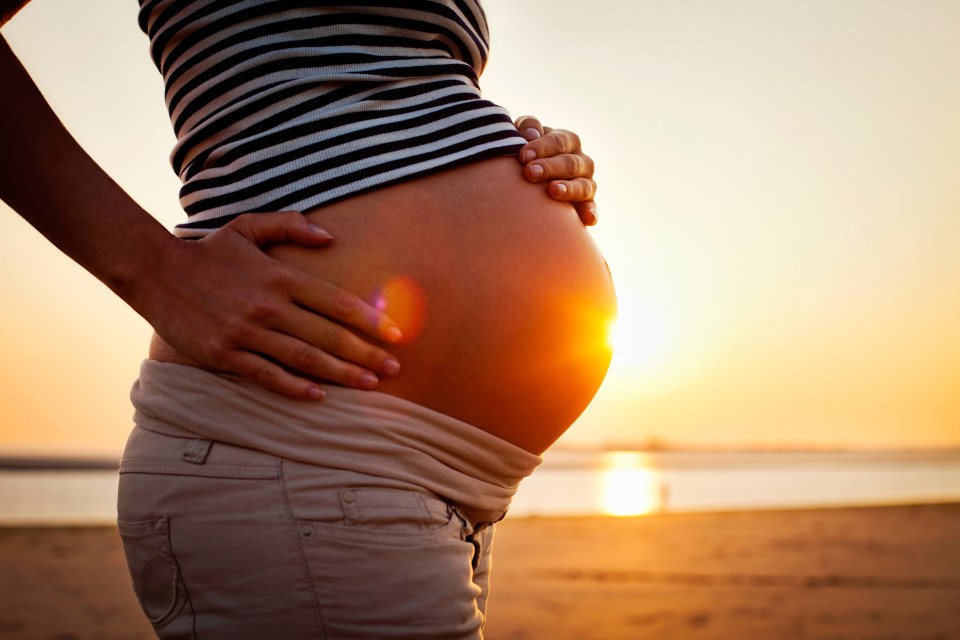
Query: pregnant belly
[504, 299]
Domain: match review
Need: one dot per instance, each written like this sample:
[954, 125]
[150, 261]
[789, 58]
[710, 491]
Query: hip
[311, 551]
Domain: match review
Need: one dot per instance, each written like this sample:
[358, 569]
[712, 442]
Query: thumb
[529, 127]
[284, 226]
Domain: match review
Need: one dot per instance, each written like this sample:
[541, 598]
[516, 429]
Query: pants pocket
[156, 577]
[394, 566]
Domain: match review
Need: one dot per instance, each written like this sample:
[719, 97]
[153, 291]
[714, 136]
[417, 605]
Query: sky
[779, 204]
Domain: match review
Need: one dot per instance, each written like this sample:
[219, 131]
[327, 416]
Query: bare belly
[504, 299]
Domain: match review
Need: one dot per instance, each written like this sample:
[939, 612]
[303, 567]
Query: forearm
[220, 301]
[52, 183]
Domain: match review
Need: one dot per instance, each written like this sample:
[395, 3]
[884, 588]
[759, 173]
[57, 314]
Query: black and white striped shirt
[291, 104]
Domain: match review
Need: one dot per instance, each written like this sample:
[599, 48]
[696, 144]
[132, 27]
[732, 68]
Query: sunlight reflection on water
[631, 485]
[590, 482]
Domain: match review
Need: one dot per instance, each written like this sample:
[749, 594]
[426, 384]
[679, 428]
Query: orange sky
[780, 206]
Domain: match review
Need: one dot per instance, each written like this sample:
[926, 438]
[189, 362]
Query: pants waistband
[364, 431]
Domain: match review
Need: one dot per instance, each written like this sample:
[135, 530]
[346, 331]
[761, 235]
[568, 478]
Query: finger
[576, 190]
[567, 166]
[328, 350]
[285, 226]
[331, 301]
[587, 212]
[300, 356]
[555, 142]
[306, 358]
[529, 127]
[273, 377]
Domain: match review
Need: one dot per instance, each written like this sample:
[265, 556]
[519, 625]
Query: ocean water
[637, 482]
[572, 483]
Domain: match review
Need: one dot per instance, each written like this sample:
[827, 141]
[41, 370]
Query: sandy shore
[844, 574]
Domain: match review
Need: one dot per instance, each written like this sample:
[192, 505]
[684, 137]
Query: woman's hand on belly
[225, 304]
[554, 156]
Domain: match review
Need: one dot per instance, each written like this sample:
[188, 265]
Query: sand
[841, 574]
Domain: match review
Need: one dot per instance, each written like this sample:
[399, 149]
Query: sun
[639, 335]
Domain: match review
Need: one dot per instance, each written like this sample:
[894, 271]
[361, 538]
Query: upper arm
[8, 8]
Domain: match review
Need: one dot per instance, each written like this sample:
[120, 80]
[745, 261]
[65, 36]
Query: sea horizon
[578, 481]
[36, 459]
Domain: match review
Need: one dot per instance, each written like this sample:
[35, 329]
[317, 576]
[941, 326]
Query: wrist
[133, 275]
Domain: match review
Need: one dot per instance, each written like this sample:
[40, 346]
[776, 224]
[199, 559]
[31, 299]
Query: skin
[223, 302]
[511, 297]
[554, 157]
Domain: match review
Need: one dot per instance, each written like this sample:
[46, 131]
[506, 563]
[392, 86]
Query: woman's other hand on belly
[554, 156]
[225, 304]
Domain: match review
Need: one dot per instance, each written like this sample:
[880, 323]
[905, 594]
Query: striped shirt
[291, 104]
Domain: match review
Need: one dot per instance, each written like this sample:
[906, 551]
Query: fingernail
[369, 381]
[316, 393]
[320, 232]
[528, 155]
[535, 171]
[393, 335]
[531, 134]
[391, 367]
[560, 189]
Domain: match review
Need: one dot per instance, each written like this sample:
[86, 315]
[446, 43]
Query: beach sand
[887, 573]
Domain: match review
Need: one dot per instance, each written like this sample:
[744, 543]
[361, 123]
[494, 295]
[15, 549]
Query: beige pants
[364, 516]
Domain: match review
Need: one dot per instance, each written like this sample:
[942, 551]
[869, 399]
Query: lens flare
[403, 300]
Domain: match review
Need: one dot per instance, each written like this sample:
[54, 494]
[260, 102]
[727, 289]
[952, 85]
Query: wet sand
[840, 574]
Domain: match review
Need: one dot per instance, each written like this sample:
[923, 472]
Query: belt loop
[351, 510]
[196, 451]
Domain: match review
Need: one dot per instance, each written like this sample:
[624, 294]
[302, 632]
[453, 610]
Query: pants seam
[302, 552]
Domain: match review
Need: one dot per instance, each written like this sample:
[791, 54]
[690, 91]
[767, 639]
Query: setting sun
[638, 335]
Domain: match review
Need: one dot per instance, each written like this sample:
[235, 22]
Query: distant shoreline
[38, 463]
[16, 462]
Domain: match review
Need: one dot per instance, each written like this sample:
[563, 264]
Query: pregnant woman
[248, 513]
